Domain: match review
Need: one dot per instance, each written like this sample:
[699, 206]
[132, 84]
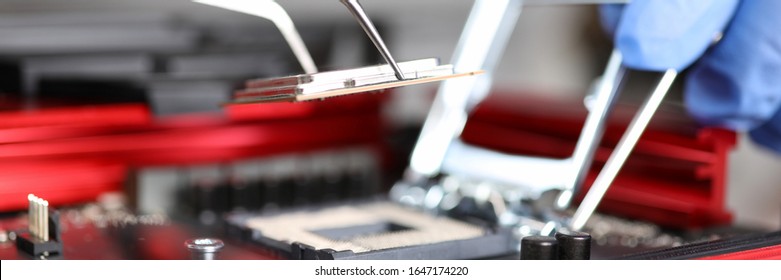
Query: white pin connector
[43, 237]
[38, 217]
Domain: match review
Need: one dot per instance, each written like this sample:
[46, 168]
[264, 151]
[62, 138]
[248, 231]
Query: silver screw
[204, 248]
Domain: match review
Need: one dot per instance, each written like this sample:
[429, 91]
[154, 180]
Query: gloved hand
[734, 83]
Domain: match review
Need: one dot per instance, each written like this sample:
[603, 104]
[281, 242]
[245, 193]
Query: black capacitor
[539, 248]
[573, 245]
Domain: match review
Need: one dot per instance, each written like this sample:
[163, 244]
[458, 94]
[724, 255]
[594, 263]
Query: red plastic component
[105, 115]
[73, 154]
[766, 253]
[675, 176]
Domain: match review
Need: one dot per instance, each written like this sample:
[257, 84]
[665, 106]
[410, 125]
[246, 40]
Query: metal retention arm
[591, 134]
[272, 11]
[482, 43]
[535, 175]
[622, 151]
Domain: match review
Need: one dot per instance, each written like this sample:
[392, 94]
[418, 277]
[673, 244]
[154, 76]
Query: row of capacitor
[261, 183]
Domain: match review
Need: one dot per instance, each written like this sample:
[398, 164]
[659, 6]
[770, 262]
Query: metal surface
[621, 152]
[349, 88]
[530, 175]
[310, 89]
[342, 75]
[272, 11]
[342, 87]
[204, 248]
[593, 128]
[355, 8]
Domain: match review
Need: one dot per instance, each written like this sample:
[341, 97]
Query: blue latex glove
[735, 83]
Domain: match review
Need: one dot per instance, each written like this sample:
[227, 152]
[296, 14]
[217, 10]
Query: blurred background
[114, 88]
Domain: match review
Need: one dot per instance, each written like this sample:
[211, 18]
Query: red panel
[73, 154]
[58, 181]
[105, 115]
[766, 253]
